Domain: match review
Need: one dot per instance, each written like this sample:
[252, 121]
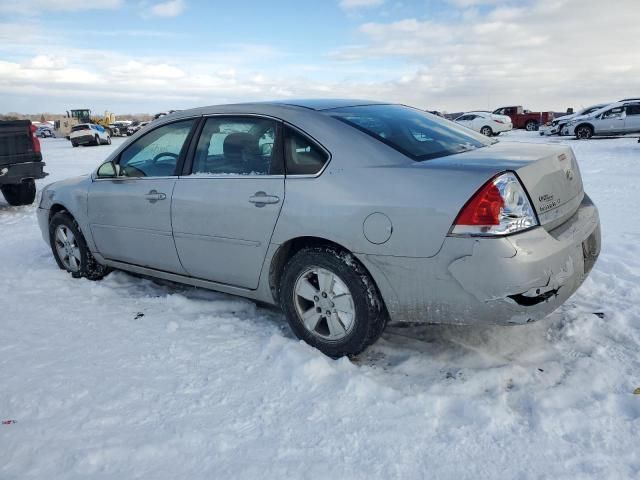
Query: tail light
[500, 207]
[34, 139]
[497, 121]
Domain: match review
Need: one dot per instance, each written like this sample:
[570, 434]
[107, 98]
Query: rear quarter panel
[421, 204]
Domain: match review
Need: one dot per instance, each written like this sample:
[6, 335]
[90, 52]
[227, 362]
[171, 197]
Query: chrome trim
[124, 178]
[196, 176]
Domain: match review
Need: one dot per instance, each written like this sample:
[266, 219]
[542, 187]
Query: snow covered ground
[125, 378]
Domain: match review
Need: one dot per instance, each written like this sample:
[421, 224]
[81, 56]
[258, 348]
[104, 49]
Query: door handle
[153, 196]
[260, 199]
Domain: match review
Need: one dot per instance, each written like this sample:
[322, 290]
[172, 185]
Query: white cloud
[171, 8]
[36, 7]
[352, 4]
[46, 62]
[549, 54]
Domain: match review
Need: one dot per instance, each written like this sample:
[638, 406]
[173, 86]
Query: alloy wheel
[67, 248]
[324, 304]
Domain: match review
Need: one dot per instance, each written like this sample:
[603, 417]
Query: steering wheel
[165, 154]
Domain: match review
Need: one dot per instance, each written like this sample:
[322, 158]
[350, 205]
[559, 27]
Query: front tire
[584, 132]
[531, 126]
[108, 140]
[20, 194]
[331, 301]
[70, 249]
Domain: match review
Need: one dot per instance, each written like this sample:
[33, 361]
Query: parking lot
[127, 378]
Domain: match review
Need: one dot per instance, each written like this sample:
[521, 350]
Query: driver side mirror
[108, 170]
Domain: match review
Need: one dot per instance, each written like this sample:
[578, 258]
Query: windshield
[591, 109]
[417, 134]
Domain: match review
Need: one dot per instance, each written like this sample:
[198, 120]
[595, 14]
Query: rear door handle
[260, 199]
[153, 196]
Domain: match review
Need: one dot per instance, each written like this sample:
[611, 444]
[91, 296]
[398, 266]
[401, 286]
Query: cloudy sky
[133, 56]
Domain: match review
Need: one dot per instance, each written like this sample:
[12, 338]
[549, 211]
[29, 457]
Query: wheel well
[56, 208]
[289, 249]
[583, 125]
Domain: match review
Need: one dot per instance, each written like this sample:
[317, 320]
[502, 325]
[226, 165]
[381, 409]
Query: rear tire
[584, 132]
[70, 249]
[486, 131]
[322, 285]
[531, 126]
[20, 194]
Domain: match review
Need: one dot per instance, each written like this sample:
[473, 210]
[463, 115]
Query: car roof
[326, 103]
[288, 110]
[276, 106]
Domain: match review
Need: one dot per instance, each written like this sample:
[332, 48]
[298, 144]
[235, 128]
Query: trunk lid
[549, 174]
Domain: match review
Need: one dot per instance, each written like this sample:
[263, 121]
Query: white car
[557, 126]
[486, 123]
[618, 118]
[89, 134]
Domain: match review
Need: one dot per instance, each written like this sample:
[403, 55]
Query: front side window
[613, 113]
[412, 132]
[237, 146]
[156, 154]
[302, 155]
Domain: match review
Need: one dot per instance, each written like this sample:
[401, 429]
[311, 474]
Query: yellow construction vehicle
[74, 117]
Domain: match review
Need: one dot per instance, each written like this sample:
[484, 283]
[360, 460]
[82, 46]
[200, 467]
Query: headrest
[239, 143]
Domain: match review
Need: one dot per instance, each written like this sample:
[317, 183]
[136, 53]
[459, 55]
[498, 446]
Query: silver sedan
[347, 214]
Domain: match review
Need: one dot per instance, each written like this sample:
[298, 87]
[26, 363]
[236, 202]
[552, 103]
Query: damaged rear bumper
[507, 280]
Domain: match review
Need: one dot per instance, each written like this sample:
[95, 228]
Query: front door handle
[153, 196]
[260, 199]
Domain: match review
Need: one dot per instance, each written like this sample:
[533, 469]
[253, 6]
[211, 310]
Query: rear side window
[633, 109]
[302, 155]
[415, 133]
[237, 146]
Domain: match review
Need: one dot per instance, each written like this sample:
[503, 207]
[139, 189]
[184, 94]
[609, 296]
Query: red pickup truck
[521, 118]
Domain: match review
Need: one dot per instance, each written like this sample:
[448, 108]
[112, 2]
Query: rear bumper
[17, 172]
[83, 139]
[505, 127]
[509, 280]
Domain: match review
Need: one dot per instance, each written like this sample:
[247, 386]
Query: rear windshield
[417, 134]
[80, 127]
